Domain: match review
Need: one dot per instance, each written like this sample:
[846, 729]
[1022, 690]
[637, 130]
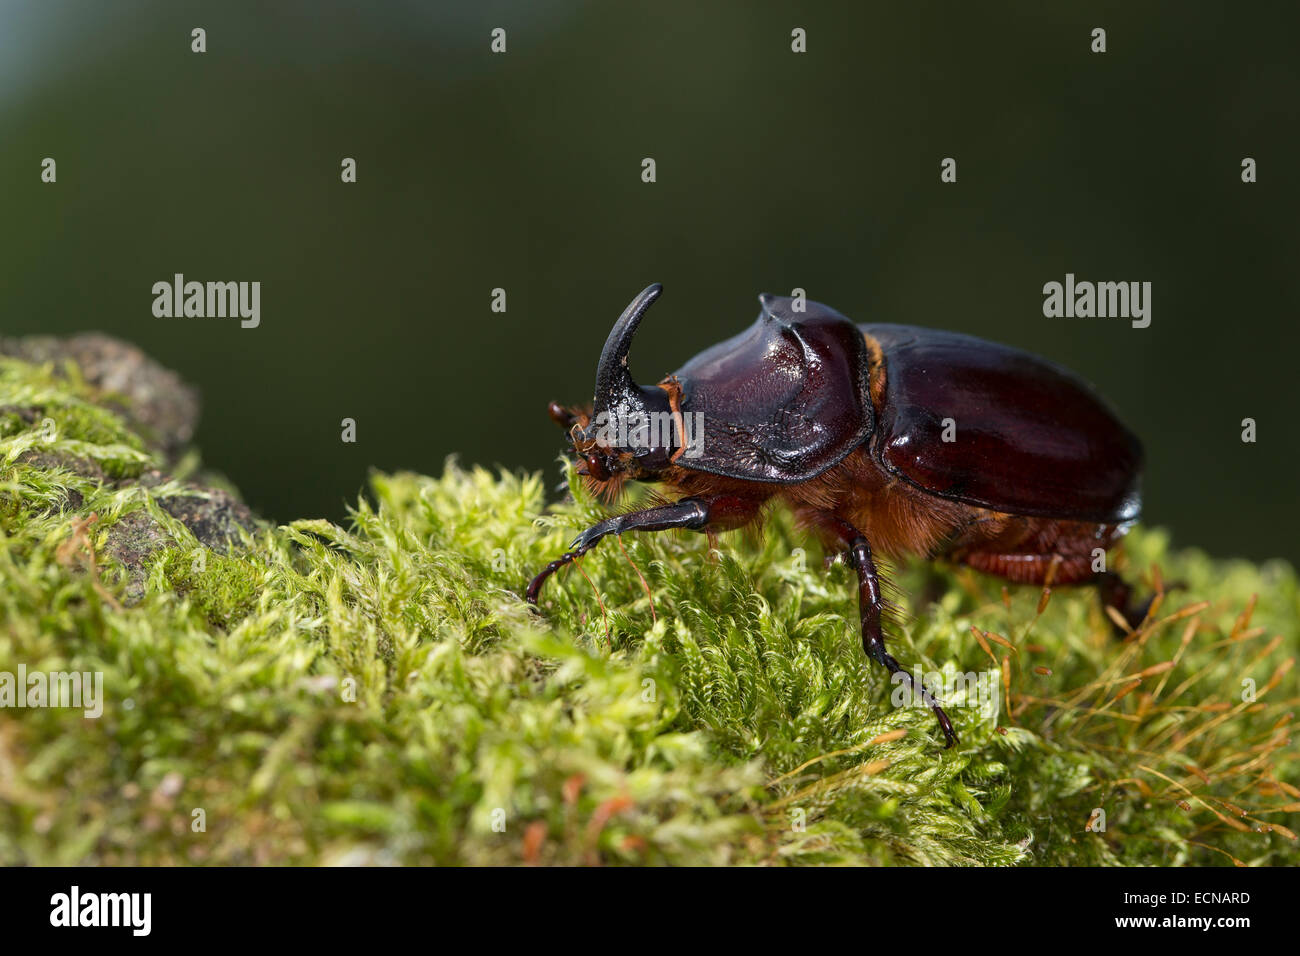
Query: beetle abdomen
[986, 424]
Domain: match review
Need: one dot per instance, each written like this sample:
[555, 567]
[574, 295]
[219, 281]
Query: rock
[163, 410]
[155, 400]
[214, 516]
[49, 460]
[132, 540]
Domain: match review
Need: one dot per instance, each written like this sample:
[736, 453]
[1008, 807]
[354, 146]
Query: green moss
[380, 693]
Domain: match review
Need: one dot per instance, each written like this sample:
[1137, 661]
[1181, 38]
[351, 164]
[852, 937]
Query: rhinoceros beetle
[905, 440]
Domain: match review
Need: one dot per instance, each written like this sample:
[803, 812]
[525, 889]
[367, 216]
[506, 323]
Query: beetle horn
[614, 384]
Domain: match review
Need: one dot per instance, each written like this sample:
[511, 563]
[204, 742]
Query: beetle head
[623, 436]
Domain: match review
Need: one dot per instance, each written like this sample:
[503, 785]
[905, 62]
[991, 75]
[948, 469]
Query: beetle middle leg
[705, 513]
[870, 605]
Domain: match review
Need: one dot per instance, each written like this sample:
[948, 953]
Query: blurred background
[775, 170]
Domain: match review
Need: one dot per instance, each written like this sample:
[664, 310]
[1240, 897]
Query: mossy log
[379, 693]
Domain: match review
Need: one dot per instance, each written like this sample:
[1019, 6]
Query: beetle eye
[596, 467]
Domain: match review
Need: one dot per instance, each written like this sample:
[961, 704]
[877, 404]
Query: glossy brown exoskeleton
[909, 441]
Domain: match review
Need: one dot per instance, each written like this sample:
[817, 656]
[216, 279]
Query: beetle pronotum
[846, 425]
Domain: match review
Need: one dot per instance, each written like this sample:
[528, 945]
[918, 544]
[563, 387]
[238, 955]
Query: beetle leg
[694, 513]
[1115, 592]
[870, 605]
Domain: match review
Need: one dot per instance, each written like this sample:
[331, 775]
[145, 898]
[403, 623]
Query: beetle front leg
[698, 514]
[870, 605]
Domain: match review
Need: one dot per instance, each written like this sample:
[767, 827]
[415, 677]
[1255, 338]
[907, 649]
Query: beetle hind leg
[1054, 568]
[1115, 592]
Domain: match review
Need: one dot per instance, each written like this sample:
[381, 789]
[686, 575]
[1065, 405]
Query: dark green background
[775, 170]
